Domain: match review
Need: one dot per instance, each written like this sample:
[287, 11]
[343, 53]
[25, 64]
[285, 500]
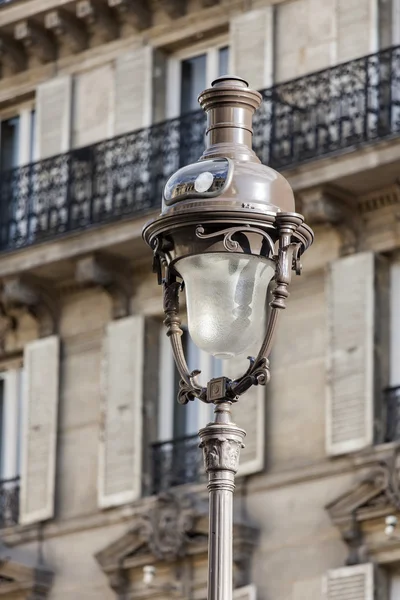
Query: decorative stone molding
[360, 513]
[328, 205]
[173, 8]
[170, 533]
[115, 279]
[21, 575]
[379, 199]
[137, 13]
[99, 15]
[30, 294]
[36, 40]
[166, 526]
[12, 55]
[65, 26]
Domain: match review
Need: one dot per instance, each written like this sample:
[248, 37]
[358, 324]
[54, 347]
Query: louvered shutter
[40, 407]
[53, 117]
[121, 428]
[93, 106]
[350, 583]
[133, 90]
[252, 46]
[248, 592]
[249, 414]
[357, 28]
[356, 350]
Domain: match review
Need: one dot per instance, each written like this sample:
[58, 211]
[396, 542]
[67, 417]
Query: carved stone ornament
[28, 294]
[165, 527]
[114, 279]
[221, 454]
[374, 497]
[173, 530]
[21, 576]
[332, 206]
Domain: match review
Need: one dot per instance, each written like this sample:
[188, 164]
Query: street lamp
[227, 228]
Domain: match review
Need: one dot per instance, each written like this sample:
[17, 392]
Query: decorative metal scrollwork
[232, 245]
[286, 259]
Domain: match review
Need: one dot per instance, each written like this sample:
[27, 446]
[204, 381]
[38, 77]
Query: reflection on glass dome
[202, 179]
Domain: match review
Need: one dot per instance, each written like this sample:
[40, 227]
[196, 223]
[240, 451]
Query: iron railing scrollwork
[175, 462]
[9, 502]
[331, 111]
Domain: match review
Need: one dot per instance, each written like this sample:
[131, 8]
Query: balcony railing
[176, 462]
[9, 502]
[328, 112]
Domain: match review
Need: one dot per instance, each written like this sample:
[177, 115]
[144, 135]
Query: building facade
[102, 492]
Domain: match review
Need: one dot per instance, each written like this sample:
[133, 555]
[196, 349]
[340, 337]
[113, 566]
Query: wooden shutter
[133, 83]
[356, 350]
[121, 429]
[93, 106]
[252, 45]
[40, 406]
[248, 592]
[350, 583]
[53, 111]
[357, 28]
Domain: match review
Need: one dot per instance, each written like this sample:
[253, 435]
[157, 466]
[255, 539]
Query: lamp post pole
[221, 442]
[228, 226]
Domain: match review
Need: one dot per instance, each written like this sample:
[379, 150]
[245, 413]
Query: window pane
[2, 432]
[223, 61]
[193, 81]
[33, 136]
[9, 143]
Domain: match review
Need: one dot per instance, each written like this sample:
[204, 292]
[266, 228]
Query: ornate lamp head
[227, 227]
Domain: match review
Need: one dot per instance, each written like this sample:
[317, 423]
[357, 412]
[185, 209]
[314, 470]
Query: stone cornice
[43, 27]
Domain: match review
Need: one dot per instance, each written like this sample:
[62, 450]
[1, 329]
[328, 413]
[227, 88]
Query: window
[9, 143]
[10, 441]
[17, 148]
[176, 459]
[395, 325]
[190, 72]
[17, 138]
[392, 393]
[10, 417]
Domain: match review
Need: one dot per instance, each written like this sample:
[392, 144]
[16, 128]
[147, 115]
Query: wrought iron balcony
[176, 462]
[332, 111]
[9, 502]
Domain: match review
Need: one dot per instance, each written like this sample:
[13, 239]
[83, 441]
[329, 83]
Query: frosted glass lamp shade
[225, 297]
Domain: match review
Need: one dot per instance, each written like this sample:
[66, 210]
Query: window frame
[211, 49]
[11, 425]
[24, 112]
[394, 348]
